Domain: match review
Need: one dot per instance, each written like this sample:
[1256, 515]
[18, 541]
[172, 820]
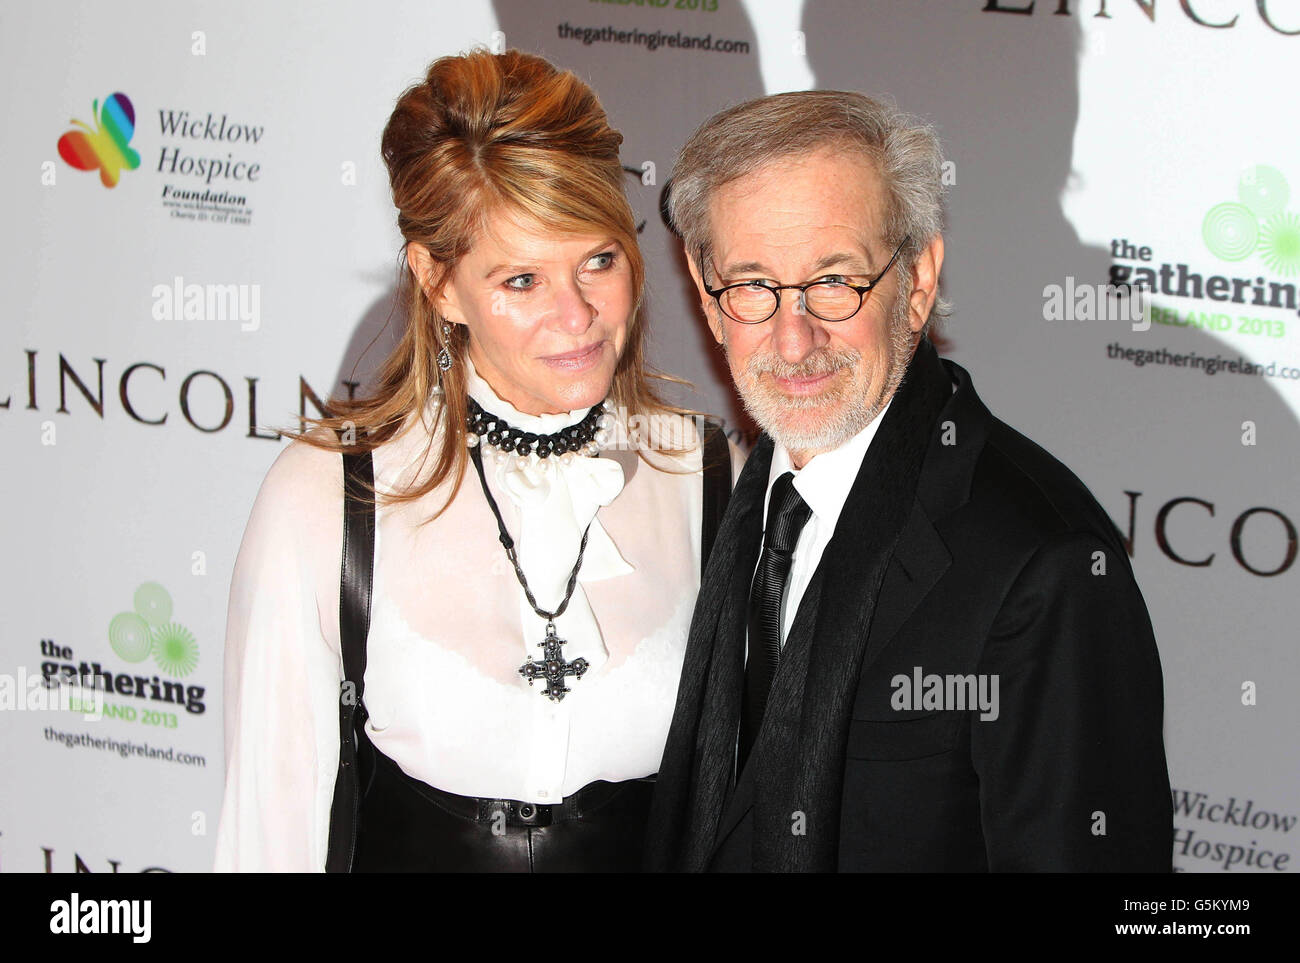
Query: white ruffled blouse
[450, 627]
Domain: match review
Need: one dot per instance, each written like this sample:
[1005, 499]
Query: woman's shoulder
[304, 474]
[302, 488]
[292, 540]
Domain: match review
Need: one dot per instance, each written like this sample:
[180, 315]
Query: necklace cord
[476, 456]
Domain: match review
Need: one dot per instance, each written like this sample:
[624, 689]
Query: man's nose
[795, 332]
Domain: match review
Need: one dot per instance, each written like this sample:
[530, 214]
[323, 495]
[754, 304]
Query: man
[918, 644]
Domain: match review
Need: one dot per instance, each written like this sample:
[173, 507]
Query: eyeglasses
[753, 302]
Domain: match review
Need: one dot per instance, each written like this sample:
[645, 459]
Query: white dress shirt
[823, 483]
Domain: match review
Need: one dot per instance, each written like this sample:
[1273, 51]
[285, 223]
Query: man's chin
[808, 429]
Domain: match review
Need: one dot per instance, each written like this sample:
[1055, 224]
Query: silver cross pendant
[553, 668]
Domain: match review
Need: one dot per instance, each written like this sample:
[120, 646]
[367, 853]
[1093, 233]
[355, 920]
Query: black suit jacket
[1007, 567]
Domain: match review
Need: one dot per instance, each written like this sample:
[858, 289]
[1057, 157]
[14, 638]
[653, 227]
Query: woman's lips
[576, 360]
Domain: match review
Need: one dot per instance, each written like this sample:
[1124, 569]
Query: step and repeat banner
[201, 247]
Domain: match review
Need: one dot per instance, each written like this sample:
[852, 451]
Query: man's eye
[833, 279]
[521, 282]
[756, 286]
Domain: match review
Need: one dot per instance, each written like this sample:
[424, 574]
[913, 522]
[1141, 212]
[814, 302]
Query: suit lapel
[921, 557]
[919, 561]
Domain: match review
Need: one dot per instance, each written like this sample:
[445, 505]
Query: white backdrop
[1073, 127]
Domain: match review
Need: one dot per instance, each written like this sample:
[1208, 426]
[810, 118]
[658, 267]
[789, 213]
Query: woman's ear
[428, 273]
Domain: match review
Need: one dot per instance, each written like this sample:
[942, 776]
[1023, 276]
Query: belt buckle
[534, 814]
[524, 814]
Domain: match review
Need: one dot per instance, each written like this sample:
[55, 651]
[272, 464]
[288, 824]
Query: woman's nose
[572, 311]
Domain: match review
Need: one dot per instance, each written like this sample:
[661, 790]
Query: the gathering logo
[106, 147]
[147, 631]
[1256, 223]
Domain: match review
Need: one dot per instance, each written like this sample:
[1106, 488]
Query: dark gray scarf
[799, 754]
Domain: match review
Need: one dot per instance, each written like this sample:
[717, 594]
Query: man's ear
[429, 272]
[707, 303]
[925, 283]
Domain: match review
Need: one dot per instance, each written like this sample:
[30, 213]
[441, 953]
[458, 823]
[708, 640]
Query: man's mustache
[824, 361]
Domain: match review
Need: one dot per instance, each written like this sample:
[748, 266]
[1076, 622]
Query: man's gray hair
[743, 138]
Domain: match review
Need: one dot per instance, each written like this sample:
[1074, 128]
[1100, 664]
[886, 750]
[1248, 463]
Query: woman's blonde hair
[486, 133]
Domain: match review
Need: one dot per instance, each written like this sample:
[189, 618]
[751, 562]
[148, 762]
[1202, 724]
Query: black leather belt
[519, 814]
[406, 825]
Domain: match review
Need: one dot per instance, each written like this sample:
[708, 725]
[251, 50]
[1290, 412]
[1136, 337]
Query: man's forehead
[827, 168]
[854, 259]
[807, 207]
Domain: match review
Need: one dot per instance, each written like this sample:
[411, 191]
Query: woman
[512, 678]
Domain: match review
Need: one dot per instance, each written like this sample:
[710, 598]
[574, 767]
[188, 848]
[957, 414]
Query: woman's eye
[603, 261]
[520, 282]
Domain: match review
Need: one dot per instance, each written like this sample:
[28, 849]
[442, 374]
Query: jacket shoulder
[1031, 496]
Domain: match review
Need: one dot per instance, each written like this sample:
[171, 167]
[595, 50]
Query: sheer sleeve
[282, 671]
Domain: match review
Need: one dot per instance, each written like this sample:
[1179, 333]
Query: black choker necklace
[581, 438]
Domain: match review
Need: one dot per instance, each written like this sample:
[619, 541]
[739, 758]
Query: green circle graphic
[1264, 190]
[129, 636]
[1279, 244]
[153, 603]
[175, 649]
[1230, 231]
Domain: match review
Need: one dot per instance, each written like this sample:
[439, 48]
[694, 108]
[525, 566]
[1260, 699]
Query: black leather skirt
[406, 825]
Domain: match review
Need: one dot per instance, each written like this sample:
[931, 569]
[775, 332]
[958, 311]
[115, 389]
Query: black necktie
[786, 515]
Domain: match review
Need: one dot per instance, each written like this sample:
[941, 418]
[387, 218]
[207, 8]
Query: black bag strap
[717, 487]
[356, 575]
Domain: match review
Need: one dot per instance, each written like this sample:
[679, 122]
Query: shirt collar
[486, 396]
[824, 482]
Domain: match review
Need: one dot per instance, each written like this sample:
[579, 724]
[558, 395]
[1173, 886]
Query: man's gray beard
[767, 404]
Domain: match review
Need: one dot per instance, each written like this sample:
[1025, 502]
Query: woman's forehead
[514, 237]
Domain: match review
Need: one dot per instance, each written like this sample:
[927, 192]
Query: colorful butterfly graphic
[107, 146]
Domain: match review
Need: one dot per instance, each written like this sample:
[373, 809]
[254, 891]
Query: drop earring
[444, 356]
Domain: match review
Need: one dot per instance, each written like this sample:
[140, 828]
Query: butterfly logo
[107, 147]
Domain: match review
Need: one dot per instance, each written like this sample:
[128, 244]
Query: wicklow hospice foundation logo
[106, 146]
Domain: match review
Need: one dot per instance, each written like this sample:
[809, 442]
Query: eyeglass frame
[862, 290]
